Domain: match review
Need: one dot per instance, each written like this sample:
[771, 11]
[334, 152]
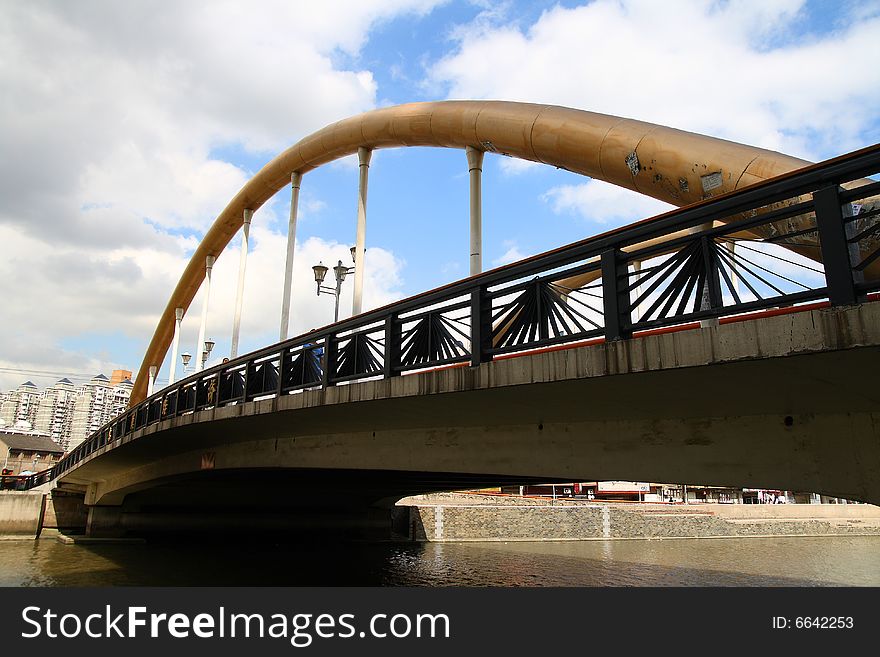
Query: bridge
[730, 341]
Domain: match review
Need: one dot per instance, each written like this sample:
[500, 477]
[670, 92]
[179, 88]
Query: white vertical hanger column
[200, 347]
[239, 294]
[151, 383]
[295, 179]
[175, 344]
[475, 169]
[364, 155]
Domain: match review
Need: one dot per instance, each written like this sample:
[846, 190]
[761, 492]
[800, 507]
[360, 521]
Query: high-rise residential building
[6, 407]
[20, 405]
[55, 412]
[120, 397]
[88, 408]
[97, 402]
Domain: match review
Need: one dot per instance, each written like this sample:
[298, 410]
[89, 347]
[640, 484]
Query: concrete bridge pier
[105, 522]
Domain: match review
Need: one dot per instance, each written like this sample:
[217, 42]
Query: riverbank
[460, 517]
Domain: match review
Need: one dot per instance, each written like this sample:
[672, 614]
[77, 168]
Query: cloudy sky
[125, 127]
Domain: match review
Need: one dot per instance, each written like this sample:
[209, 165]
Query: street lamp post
[185, 357]
[206, 353]
[340, 271]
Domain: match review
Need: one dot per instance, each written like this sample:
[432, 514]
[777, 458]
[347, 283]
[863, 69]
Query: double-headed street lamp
[340, 271]
[206, 352]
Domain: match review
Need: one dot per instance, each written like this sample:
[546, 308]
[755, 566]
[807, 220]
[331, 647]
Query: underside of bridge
[243, 502]
[779, 402]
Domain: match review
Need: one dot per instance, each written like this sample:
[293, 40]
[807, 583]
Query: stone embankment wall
[504, 523]
[537, 522]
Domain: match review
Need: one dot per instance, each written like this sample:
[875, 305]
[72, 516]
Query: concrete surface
[21, 513]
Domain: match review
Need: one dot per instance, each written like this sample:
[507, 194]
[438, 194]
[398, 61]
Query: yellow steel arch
[658, 161]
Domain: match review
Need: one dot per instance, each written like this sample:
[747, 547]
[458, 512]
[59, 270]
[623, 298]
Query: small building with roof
[25, 453]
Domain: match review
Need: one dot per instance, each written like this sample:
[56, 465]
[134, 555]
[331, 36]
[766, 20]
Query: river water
[787, 561]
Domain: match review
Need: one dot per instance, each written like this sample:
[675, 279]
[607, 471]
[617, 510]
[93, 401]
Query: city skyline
[132, 130]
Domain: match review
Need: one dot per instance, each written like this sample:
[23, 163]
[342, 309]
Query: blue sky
[133, 125]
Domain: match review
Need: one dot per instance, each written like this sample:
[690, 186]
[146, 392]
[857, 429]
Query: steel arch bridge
[759, 232]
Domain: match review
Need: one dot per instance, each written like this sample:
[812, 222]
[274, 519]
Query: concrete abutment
[26, 514]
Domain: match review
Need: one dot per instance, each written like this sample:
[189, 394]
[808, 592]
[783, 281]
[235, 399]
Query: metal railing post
[542, 314]
[481, 326]
[327, 360]
[392, 346]
[280, 384]
[615, 298]
[245, 380]
[713, 277]
[835, 249]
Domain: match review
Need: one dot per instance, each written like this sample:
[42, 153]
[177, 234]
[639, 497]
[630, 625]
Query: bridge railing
[794, 239]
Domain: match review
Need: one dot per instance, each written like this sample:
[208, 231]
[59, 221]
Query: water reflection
[787, 561]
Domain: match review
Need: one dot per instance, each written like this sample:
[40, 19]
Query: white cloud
[511, 255]
[732, 70]
[313, 206]
[171, 190]
[602, 202]
[67, 293]
[451, 268]
[513, 166]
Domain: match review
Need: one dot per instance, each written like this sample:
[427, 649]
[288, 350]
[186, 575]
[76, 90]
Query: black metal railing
[798, 238]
